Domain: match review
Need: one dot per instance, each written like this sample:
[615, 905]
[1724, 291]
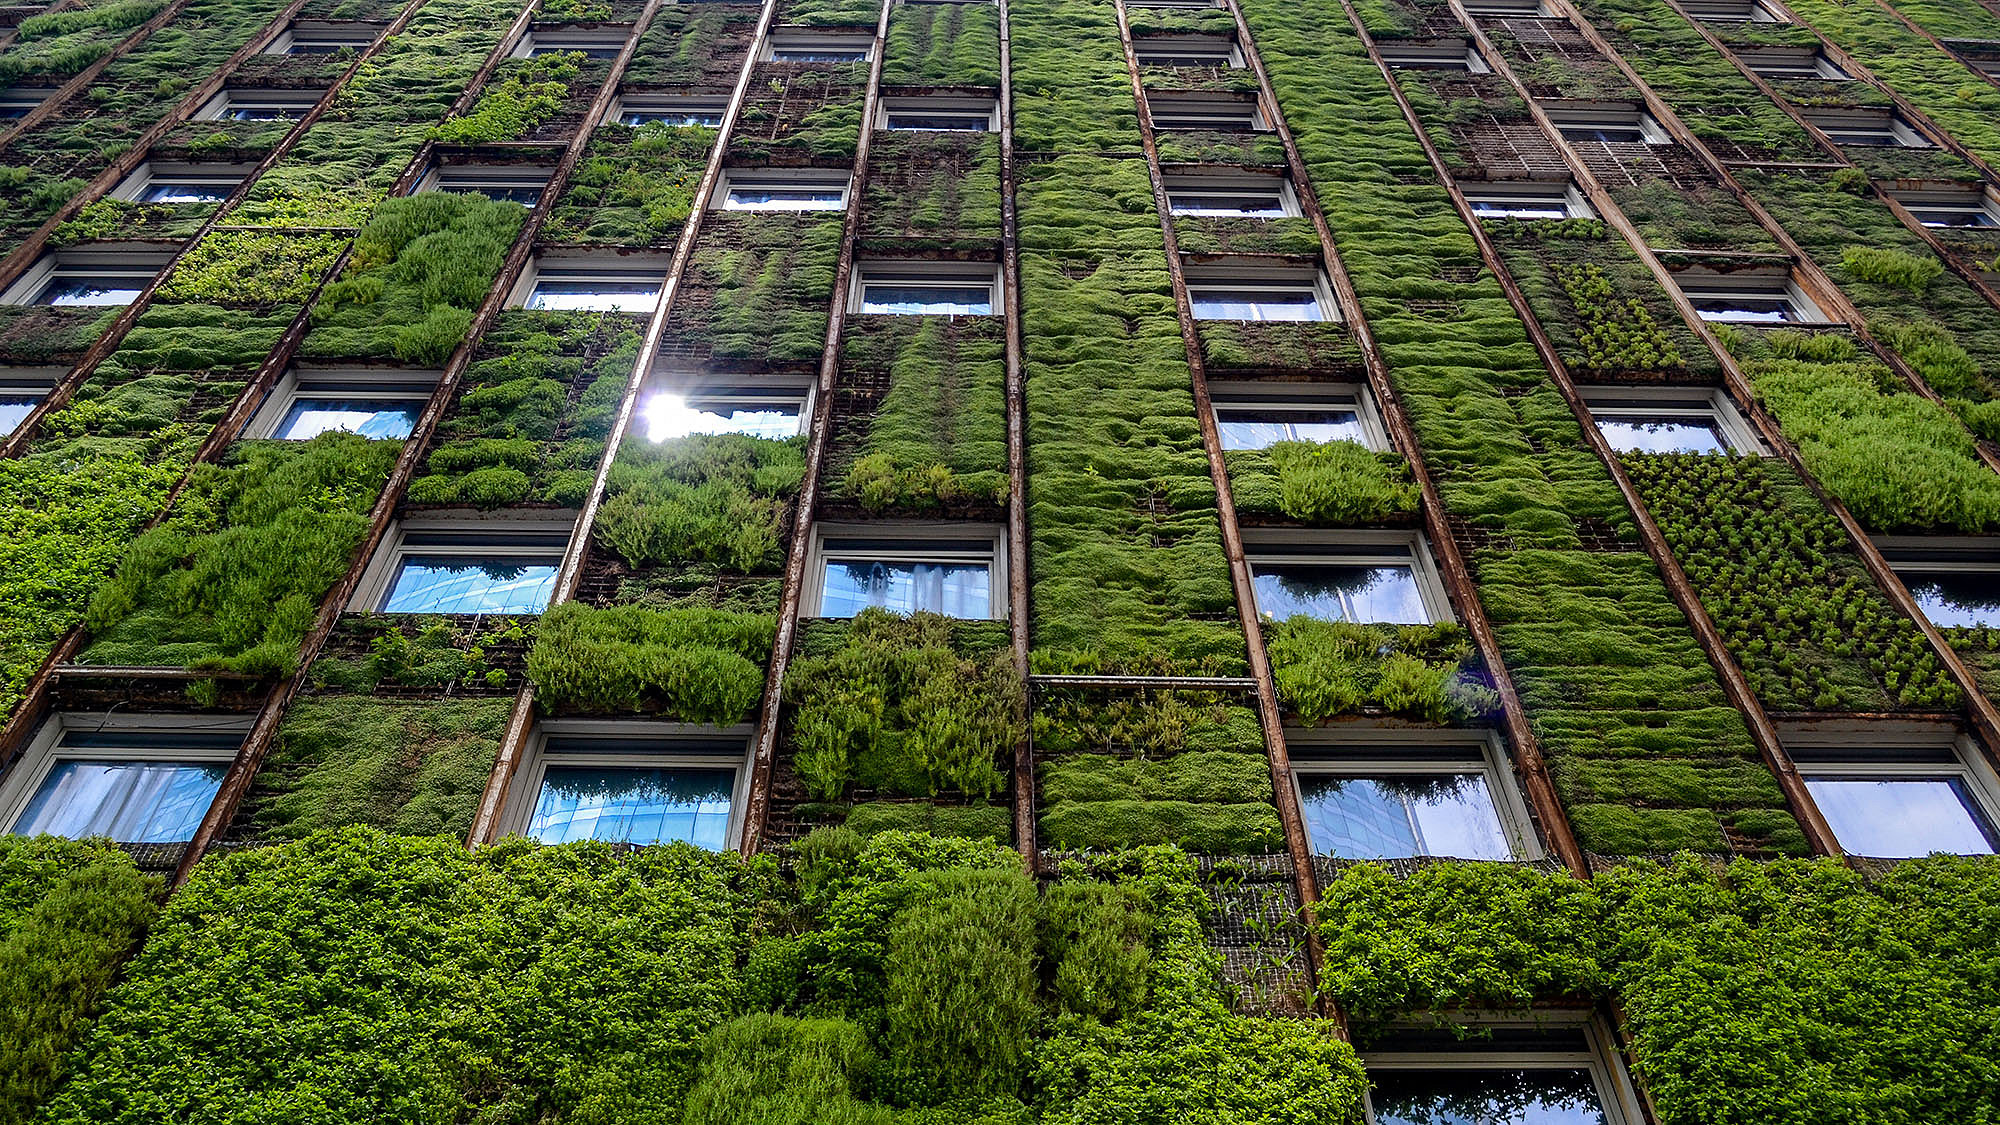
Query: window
[20, 389]
[1669, 420]
[467, 566]
[1364, 577]
[324, 38]
[1610, 124]
[628, 283]
[1791, 62]
[259, 105]
[1949, 207]
[1955, 580]
[782, 191]
[1977, 54]
[926, 288]
[507, 183]
[165, 182]
[760, 410]
[952, 569]
[1441, 54]
[1394, 794]
[594, 44]
[1219, 113]
[1515, 8]
[663, 109]
[99, 776]
[1231, 195]
[1731, 11]
[1175, 4]
[631, 783]
[1258, 416]
[1527, 200]
[1748, 297]
[1217, 51]
[18, 101]
[794, 46]
[1875, 128]
[1260, 294]
[381, 404]
[101, 276]
[1896, 791]
[1557, 1070]
[940, 114]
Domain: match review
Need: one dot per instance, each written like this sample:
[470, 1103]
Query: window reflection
[1958, 599]
[1340, 592]
[91, 292]
[928, 300]
[1246, 205]
[940, 122]
[458, 584]
[1664, 434]
[680, 118]
[1400, 815]
[593, 296]
[1525, 1096]
[185, 192]
[13, 408]
[1903, 817]
[1256, 304]
[1744, 310]
[953, 589]
[131, 802]
[311, 417]
[672, 416]
[750, 198]
[1260, 429]
[634, 806]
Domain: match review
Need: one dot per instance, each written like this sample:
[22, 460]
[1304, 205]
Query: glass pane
[783, 199]
[1400, 815]
[132, 802]
[1870, 138]
[1520, 208]
[527, 195]
[1257, 206]
[1961, 598]
[817, 54]
[671, 416]
[1260, 429]
[1690, 433]
[169, 192]
[311, 417]
[634, 806]
[943, 122]
[13, 408]
[1256, 304]
[1526, 1096]
[953, 589]
[705, 118]
[91, 292]
[1954, 216]
[1746, 310]
[1613, 134]
[1902, 817]
[594, 296]
[928, 300]
[448, 584]
[1337, 592]
[264, 113]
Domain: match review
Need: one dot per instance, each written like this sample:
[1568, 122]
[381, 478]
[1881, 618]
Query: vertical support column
[1017, 450]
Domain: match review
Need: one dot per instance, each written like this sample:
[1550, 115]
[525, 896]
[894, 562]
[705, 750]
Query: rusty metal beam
[1017, 449]
[520, 720]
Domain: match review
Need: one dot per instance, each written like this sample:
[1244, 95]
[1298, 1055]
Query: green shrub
[1242, 829]
[510, 108]
[634, 187]
[1335, 483]
[763, 1069]
[701, 665]
[414, 650]
[1325, 669]
[974, 822]
[252, 268]
[1619, 333]
[962, 987]
[1095, 935]
[1890, 267]
[706, 498]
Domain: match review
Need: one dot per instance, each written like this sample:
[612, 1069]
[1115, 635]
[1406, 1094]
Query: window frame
[1783, 64]
[228, 177]
[26, 99]
[878, 271]
[1509, 9]
[1184, 4]
[504, 176]
[1732, 12]
[1174, 111]
[45, 749]
[639, 103]
[1364, 751]
[1966, 200]
[343, 35]
[27, 382]
[782, 178]
[1893, 748]
[1834, 121]
[1755, 284]
[771, 389]
[1281, 546]
[135, 261]
[903, 541]
[1251, 276]
[897, 104]
[1614, 402]
[620, 269]
[387, 384]
[224, 105]
[1527, 192]
[1605, 115]
[1598, 1055]
[807, 39]
[1233, 182]
[525, 790]
[1237, 395]
[460, 533]
[593, 42]
[1223, 48]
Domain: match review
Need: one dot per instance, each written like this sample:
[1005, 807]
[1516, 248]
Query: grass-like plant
[700, 665]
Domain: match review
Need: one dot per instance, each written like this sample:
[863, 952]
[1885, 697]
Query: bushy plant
[1619, 333]
[1096, 937]
[764, 1069]
[962, 987]
[511, 107]
[700, 665]
[1330, 484]
[252, 268]
[707, 498]
[1325, 669]
[1890, 267]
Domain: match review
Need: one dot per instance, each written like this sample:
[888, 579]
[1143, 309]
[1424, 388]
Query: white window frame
[879, 271]
[1231, 182]
[342, 35]
[1757, 284]
[463, 174]
[780, 179]
[1220, 112]
[1252, 277]
[294, 103]
[629, 103]
[1877, 122]
[1443, 54]
[472, 535]
[1526, 195]
[1598, 1055]
[1785, 63]
[607, 269]
[227, 177]
[1185, 4]
[1509, 9]
[1732, 11]
[138, 263]
[907, 541]
[28, 382]
[1616, 403]
[747, 392]
[1911, 749]
[899, 104]
[1964, 200]
[45, 749]
[22, 98]
[1606, 115]
[1355, 750]
[1912, 555]
[550, 41]
[1227, 53]
[385, 384]
[525, 791]
[1298, 547]
[800, 39]
[1302, 397]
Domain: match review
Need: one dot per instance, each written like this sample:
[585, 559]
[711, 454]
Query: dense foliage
[701, 665]
[1326, 669]
[717, 499]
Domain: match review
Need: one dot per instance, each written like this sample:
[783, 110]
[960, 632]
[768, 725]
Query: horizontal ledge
[145, 671]
[1211, 683]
